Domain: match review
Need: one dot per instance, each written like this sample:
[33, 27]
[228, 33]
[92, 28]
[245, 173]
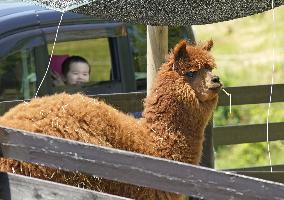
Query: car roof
[10, 8]
[15, 16]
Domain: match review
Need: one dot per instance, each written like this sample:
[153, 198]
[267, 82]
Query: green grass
[249, 155]
[244, 55]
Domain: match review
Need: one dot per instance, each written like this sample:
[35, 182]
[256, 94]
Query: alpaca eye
[190, 74]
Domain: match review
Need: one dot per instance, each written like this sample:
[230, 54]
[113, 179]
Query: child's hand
[57, 79]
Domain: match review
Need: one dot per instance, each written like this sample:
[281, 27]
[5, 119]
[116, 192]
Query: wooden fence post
[157, 48]
[207, 159]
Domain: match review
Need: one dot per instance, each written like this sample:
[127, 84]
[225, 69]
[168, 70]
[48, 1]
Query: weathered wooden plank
[126, 102]
[17, 187]
[259, 168]
[252, 94]
[7, 105]
[207, 159]
[262, 172]
[240, 96]
[133, 102]
[276, 176]
[135, 168]
[226, 135]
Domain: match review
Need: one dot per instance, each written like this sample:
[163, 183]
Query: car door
[19, 76]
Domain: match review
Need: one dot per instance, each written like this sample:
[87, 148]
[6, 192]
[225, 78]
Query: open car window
[95, 51]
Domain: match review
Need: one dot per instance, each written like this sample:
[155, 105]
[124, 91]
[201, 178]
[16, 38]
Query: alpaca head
[194, 64]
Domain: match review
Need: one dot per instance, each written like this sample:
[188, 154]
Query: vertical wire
[271, 90]
[50, 55]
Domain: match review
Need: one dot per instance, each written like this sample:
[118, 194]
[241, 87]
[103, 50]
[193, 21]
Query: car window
[17, 75]
[95, 51]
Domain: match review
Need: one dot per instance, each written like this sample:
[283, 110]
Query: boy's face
[78, 73]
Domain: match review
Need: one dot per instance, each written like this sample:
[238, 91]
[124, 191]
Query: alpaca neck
[178, 126]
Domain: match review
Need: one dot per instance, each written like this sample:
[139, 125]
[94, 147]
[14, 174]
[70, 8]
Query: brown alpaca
[176, 112]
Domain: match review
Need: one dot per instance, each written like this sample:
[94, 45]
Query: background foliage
[244, 55]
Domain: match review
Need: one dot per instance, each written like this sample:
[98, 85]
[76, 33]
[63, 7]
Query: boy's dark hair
[65, 67]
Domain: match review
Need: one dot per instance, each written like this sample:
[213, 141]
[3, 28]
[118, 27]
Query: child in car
[75, 70]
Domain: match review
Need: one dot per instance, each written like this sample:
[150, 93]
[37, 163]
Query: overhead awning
[164, 12]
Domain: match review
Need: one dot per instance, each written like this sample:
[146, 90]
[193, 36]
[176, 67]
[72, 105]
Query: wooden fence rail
[228, 135]
[252, 95]
[134, 168]
[275, 176]
[17, 187]
[279, 168]
[241, 95]
[225, 135]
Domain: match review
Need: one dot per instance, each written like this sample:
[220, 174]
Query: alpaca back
[80, 118]
[88, 120]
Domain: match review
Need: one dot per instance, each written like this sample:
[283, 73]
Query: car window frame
[116, 34]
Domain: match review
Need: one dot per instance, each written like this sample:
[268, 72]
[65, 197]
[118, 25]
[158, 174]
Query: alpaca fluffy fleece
[172, 127]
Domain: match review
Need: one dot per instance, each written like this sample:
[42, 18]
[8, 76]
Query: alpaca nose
[215, 79]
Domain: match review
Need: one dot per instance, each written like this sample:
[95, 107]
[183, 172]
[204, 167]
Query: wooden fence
[17, 187]
[139, 169]
[226, 135]
[126, 167]
[229, 135]
[251, 133]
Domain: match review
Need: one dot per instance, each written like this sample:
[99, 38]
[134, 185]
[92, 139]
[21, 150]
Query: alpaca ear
[180, 50]
[208, 45]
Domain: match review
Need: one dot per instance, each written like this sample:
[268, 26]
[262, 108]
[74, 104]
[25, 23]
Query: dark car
[116, 52]
[27, 35]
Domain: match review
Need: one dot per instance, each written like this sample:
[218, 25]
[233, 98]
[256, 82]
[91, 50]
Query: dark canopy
[164, 12]
[175, 12]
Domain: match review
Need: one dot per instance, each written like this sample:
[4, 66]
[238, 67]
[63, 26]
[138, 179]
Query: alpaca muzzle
[215, 85]
[216, 79]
